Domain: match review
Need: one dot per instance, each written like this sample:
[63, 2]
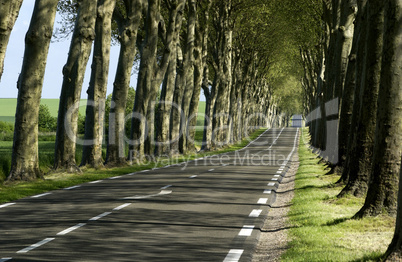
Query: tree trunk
[188, 74]
[383, 188]
[361, 159]
[360, 66]
[151, 76]
[95, 111]
[9, 10]
[200, 64]
[348, 98]
[25, 158]
[73, 77]
[128, 28]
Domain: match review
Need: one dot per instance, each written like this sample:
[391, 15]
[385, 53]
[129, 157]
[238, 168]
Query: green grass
[9, 105]
[321, 224]
[52, 181]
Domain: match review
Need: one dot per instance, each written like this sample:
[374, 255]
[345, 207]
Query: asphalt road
[211, 209]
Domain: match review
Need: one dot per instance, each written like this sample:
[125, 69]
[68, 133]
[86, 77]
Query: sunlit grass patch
[322, 228]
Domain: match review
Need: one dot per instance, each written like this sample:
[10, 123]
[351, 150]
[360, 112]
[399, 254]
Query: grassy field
[322, 228]
[8, 106]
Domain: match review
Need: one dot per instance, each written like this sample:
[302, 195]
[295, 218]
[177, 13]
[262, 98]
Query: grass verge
[62, 180]
[321, 224]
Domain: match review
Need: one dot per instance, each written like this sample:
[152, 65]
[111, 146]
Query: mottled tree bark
[361, 159]
[128, 25]
[188, 70]
[95, 111]
[348, 98]
[25, 157]
[73, 77]
[383, 189]
[151, 75]
[9, 10]
[200, 64]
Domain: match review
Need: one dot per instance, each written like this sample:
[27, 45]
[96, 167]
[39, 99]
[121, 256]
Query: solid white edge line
[41, 195]
[68, 230]
[6, 205]
[233, 255]
[40, 243]
[97, 181]
[72, 187]
[115, 177]
[122, 206]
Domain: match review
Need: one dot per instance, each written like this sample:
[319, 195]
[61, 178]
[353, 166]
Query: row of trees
[355, 73]
[238, 52]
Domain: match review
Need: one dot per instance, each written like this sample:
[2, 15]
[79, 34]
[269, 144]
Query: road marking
[211, 170]
[255, 213]
[115, 177]
[279, 172]
[233, 255]
[267, 191]
[97, 181]
[41, 195]
[163, 192]
[40, 243]
[271, 184]
[166, 187]
[277, 175]
[70, 229]
[69, 188]
[246, 231]
[100, 216]
[262, 201]
[122, 206]
[6, 205]
[193, 176]
[4, 259]
[143, 171]
[274, 179]
[280, 169]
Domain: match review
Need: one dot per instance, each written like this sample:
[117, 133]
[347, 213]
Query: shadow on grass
[337, 221]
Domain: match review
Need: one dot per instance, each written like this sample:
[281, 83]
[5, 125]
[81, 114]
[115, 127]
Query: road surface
[210, 209]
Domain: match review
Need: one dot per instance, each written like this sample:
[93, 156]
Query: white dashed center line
[40, 243]
[211, 170]
[122, 206]
[262, 201]
[271, 184]
[70, 229]
[100, 216]
[267, 191]
[193, 176]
